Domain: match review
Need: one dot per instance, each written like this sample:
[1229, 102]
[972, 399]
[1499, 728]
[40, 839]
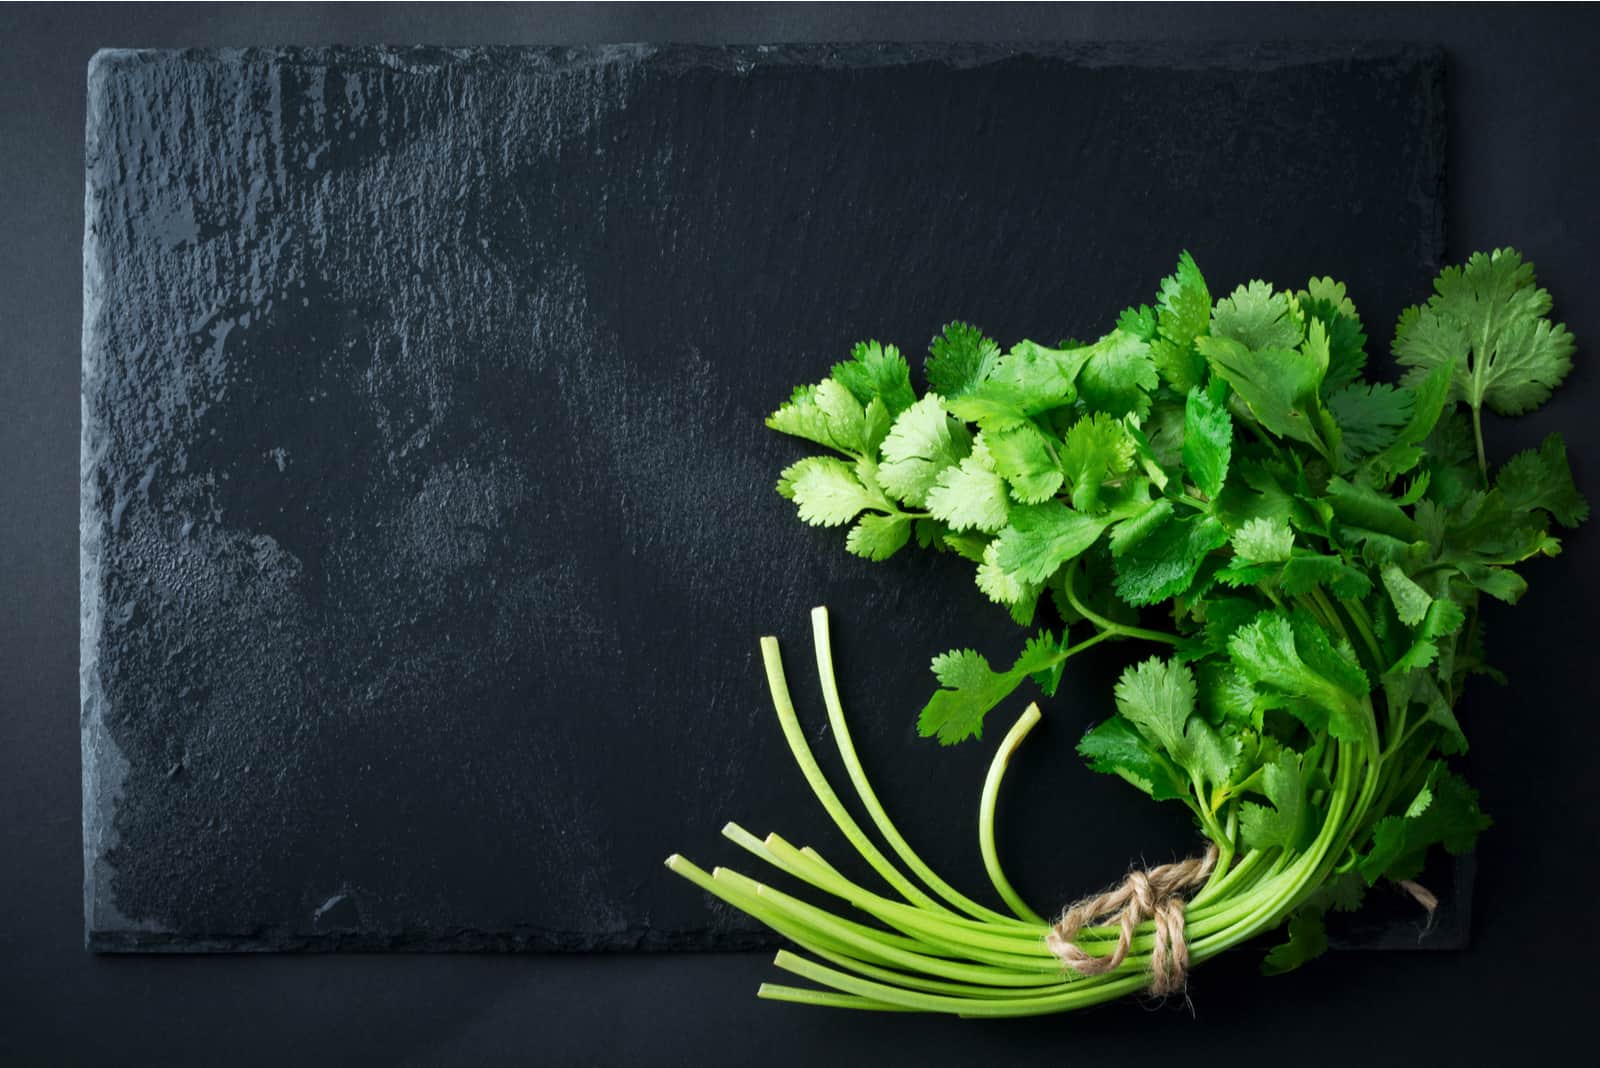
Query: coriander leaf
[1118, 375]
[1444, 618]
[878, 537]
[970, 688]
[1411, 602]
[1265, 652]
[1158, 698]
[1308, 939]
[1491, 312]
[1497, 582]
[1366, 509]
[1042, 537]
[1024, 382]
[1444, 812]
[1183, 313]
[826, 413]
[970, 494]
[1114, 747]
[1370, 415]
[1324, 299]
[921, 444]
[1263, 541]
[1279, 386]
[1165, 562]
[1004, 588]
[1131, 531]
[1140, 322]
[960, 358]
[1305, 570]
[1543, 479]
[1022, 456]
[1097, 448]
[1287, 823]
[1258, 318]
[825, 490]
[877, 371]
[1207, 441]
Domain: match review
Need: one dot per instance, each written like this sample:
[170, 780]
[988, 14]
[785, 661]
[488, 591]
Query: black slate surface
[427, 513]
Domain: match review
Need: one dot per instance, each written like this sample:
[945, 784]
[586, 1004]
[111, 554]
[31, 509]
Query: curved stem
[858, 778]
[1110, 625]
[784, 705]
[986, 806]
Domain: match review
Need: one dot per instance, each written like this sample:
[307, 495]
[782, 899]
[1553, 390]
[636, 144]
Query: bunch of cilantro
[1305, 550]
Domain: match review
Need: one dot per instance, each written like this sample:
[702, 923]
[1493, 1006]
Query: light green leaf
[922, 443]
[825, 490]
[971, 494]
[1095, 449]
[878, 537]
[1042, 537]
[1263, 541]
[1022, 456]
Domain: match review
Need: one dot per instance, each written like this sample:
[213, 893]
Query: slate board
[428, 523]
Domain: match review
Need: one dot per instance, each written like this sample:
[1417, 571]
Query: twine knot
[1154, 894]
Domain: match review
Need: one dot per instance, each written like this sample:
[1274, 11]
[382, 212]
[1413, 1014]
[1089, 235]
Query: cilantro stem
[986, 807]
[779, 690]
[1105, 624]
[1477, 434]
[858, 777]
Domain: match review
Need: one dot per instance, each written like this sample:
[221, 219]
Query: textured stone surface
[427, 511]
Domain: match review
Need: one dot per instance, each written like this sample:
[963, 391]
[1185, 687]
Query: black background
[1524, 147]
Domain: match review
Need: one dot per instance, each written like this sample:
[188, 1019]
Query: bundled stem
[938, 950]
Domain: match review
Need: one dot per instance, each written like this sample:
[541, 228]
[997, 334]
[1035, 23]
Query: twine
[1153, 894]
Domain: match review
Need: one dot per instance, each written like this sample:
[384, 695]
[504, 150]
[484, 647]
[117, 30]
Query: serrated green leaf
[1287, 823]
[1308, 939]
[878, 537]
[922, 443]
[960, 358]
[1279, 387]
[1325, 300]
[1118, 375]
[1411, 602]
[1542, 479]
[1183, 313]
[1165, 562]
[1491, 311]
[1258, 318]
[1370, 415]
[1114, 747]
[971, 494]
[1095, 449]
[1042, 537]
[877, 371]
[970, 688]
[1131, 531]
[1265, 652]
[1022, 456]
[1444, 812]
[1263, 541]
[1207, 441]
[825, 490]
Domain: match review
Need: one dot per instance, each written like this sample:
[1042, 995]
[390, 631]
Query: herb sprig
[1318, 546]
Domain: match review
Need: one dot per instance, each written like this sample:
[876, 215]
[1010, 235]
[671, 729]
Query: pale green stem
[986, 807]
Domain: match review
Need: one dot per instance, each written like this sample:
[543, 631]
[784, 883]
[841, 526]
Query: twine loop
[1157, 894]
